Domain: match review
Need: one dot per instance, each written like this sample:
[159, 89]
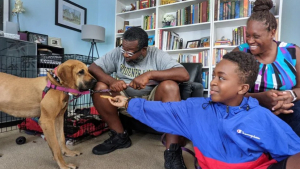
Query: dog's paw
[72, 166]
[72, 153]
[69, 166]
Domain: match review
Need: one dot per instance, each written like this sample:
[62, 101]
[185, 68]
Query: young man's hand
[118, 101]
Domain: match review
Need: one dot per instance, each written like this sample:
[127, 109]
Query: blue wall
[39, 17]
[291, 22]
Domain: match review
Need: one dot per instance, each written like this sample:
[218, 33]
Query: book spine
[245, 8]
[237, 9]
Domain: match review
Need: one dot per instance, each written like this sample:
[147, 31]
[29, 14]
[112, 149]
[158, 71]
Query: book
[144, 4]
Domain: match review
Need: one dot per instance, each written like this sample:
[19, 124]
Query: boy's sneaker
[116, 141]
[173, 157]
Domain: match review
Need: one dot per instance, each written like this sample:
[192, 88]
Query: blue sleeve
[281, 141]
[169, 117]
[263, 131]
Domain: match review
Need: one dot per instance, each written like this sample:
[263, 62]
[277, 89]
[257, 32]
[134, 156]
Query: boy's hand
[118, 101]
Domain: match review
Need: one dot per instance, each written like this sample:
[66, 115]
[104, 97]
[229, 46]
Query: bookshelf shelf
[214, 29]
[192, 50]
[177, 5]
[136, 12]
[190, 27]
[151, 31]
[224, 47]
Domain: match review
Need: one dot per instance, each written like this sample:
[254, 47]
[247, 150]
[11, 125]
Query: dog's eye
[81, 72]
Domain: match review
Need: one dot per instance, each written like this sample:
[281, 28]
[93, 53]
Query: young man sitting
[227, 129]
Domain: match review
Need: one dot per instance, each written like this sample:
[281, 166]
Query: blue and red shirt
[223, 136]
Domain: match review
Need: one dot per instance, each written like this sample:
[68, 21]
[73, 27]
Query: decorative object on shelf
[151, 40]
[93, 34]
[130, 7]
[180, 43]
[120, 31]
[192, 44]
[204, 42]
[37, 38]
[125, 23]
[18, 9]
[168, 20]
[70, 15]
[56, 42]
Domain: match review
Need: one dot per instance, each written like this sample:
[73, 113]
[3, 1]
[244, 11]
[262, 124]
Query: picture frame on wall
[56, 42]
[70, 15]
[37, 38]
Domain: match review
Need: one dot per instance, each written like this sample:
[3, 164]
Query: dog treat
[105, 96]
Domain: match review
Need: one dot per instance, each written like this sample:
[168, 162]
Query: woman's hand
[270, 98]
[118, 101]
[284, 103]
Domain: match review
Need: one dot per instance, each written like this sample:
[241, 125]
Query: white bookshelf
[214, 29]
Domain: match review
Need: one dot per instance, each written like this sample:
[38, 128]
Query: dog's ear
[65, 75]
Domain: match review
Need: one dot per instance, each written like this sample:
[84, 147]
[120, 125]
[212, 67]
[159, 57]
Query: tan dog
[22, 97]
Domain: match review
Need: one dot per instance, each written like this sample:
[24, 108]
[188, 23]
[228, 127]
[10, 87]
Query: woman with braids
[277, 86]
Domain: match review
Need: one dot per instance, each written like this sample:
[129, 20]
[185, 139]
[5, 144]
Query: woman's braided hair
[261, 13]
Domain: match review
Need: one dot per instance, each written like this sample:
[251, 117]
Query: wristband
[127, 102]
[293, 94]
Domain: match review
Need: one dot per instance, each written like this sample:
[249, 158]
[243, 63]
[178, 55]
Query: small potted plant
[17, 10]
[168, 19]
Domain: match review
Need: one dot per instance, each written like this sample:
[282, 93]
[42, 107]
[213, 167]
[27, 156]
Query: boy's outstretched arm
[170, 117]
[118, 101]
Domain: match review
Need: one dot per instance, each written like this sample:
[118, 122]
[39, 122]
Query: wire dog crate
[82, 121]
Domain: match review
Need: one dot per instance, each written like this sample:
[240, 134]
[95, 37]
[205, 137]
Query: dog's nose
[93, 82]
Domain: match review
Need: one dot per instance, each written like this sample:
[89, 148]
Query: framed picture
[151, 40]
[69, 15]
[56, 42]
[127, 27]
[37, 38]
[192, 44]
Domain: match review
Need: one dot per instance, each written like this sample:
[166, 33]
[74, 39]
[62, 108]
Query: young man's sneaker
[116, 141]
[173, 157]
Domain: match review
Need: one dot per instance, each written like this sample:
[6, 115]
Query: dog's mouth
[85, 86]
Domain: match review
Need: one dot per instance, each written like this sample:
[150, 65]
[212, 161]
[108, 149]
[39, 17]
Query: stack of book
[223, 42]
